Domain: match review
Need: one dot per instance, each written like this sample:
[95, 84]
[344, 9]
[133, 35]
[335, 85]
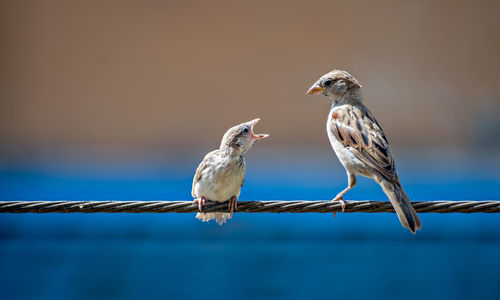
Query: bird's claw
[201, 202]
[342, 204]
[233, 204]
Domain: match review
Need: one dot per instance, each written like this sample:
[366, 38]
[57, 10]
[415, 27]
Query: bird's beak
[252, 134]
[315, 89]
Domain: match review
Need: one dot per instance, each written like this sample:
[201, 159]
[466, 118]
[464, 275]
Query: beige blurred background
[172, 76]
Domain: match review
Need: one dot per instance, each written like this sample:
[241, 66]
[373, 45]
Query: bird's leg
[339, 197]
[201, 202]
[233, 204]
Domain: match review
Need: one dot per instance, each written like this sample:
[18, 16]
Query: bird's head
[336, 85]
[240, 138]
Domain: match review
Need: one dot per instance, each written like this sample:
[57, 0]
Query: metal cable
[278, 206]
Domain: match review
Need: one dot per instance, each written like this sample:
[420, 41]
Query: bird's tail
[402, 205]
[220, 218]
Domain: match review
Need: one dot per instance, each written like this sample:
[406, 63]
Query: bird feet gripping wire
[339, 198]
[233, 204]
[201, 202]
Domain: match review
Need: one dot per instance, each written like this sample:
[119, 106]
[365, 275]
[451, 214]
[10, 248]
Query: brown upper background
[174, 75]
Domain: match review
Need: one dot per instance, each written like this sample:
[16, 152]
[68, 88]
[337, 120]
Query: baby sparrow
[360, 143]
[220, 175]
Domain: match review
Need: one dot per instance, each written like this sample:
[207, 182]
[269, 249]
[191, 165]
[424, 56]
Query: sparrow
[360, 143]
[220, 175]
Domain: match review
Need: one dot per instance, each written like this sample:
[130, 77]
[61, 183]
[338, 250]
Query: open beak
[252, 134]
[315, 89]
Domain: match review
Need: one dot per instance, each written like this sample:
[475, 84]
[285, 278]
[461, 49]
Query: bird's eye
[327, 82]
[245, 130]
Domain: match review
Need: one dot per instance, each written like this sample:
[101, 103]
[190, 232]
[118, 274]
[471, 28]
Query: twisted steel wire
[275, 206]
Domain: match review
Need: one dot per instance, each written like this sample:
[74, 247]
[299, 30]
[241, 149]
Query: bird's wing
[207, 162]
[356, 128]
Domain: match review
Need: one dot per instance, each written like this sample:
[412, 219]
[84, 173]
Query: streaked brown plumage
[360, 142]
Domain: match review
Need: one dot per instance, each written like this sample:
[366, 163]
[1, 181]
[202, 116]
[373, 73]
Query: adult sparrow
[220, 175]
[360, 143]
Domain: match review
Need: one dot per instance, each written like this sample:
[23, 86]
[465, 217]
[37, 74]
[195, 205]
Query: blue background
[129, 256]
